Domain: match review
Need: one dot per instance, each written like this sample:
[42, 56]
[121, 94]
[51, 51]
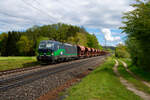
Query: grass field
[101, 84]
[137, 83]
[7, 63]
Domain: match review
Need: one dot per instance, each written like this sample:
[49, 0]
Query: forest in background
[15, 43]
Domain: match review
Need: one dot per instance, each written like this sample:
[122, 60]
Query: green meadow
[7, 63]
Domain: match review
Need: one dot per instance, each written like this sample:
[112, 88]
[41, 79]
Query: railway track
[6, 72]
[17, 70]
[19, 80]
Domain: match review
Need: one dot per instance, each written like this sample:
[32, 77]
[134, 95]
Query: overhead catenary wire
[16, 17]
[36, 1]
[43, 7]
[26, 18]
[40, 10]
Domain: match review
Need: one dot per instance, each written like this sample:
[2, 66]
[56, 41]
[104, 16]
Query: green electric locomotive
[54, 51]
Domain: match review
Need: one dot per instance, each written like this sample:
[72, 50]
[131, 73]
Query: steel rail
[30, 77]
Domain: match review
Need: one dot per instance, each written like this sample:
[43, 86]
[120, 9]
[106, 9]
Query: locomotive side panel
[70, 50]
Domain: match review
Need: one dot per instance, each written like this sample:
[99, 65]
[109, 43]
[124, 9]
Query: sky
[99, 17]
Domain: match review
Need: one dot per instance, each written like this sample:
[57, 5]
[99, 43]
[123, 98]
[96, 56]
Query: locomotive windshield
[46, 45]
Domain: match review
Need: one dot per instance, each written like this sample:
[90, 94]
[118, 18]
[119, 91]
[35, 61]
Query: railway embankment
[52, 79]
[101, 84]
[84, 79]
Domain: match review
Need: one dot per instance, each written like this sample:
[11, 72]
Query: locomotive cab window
[58, 47]
[55, 47]
[42, 45]
[50, 45]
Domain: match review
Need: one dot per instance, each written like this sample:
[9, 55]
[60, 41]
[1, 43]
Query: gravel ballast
[35, 89]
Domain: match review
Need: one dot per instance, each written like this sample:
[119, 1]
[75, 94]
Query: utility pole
[105, 42]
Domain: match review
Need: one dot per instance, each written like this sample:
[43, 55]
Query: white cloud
[108, 35]
[121, 43]
[88, 13]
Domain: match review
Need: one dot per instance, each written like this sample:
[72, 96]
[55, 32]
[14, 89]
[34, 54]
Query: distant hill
[110, 47]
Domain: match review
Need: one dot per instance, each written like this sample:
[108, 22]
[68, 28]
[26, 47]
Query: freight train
[53, 51]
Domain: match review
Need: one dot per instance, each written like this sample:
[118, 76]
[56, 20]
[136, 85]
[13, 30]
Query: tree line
[15, 43]
[137, 28]
[121, 51]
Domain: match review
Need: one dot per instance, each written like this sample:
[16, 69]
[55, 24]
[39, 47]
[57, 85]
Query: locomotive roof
[55, 42]
[68, 44]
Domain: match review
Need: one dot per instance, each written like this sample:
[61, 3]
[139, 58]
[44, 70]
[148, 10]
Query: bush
[121, 51]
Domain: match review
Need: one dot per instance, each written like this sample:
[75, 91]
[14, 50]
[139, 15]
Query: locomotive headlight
[52, 53]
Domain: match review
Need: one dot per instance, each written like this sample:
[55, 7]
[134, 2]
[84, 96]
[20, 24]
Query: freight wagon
[53, 51]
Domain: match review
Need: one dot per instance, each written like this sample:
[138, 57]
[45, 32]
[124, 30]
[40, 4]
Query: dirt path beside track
[128, 85]
[126, 67]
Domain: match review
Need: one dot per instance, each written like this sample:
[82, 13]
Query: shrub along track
[130, 86]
